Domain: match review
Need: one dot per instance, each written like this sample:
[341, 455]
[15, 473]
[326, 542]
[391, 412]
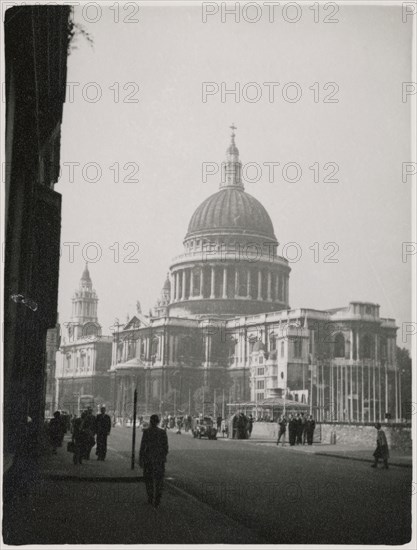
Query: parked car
[204, 428]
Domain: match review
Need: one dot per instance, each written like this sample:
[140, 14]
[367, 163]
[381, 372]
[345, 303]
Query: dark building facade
[36, 48]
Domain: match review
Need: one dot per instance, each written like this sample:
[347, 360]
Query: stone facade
[84, 357]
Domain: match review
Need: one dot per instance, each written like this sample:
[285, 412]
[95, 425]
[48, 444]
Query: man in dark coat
[292, 429]
[89, 429]
[152, 457]
[310, 427]
[381, 450]
[282, 423]
[56, 431]
[103, 427]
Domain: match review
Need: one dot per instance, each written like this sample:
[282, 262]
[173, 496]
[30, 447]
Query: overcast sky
[170, 132]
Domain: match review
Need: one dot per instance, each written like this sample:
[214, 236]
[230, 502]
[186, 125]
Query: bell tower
[84, 306]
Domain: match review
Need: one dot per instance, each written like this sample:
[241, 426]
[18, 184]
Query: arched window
[339, 345]
[282, 349]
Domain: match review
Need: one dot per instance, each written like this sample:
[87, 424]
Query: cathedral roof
[231, 208]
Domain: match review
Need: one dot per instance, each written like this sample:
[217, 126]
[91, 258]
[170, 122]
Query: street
[286, 495]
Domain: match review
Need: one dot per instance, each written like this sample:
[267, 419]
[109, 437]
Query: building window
[366, 347]
[282, 374]
[339, 345]
[260, 359]
[260, 395]
[298, 347]
[261, 371]
[260, 384]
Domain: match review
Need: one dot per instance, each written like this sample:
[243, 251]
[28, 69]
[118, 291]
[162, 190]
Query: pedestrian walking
[56, 430]
[310, 427]
[282, 423]
[80, 439]
[152, 458]
[381, 450]
[103, 427]
[89, 429]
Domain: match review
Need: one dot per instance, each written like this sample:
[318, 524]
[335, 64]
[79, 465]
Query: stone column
[177, 286]
[212, 288]
[351, 344]
[259, 284]
[172, 295]
[269, 287]
[224, 282]
[201, 282]
[183, 284]
[357, 345]
[276, 287]
[248, 294]
[236, 282]
[191, 282]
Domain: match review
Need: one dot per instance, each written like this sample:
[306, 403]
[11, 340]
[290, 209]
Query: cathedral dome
[231, 209]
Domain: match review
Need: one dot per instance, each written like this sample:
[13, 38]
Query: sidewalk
[116, 467]
[105, 503]
[347, 452]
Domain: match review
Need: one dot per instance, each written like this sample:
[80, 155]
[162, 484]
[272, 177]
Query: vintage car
[204, 427]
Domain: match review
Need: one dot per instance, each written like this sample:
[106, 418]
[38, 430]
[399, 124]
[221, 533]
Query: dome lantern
[232, 167]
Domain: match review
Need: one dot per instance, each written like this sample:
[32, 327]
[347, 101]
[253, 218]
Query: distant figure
[292, 429]
[56, 431]
[80, 438]
[225, 428]
[152, 457]
[381, 450]
[103, 427]
[282, 423]
[179, 425]
[301, 436]
[89, 428]
[310, 427]
[219, 423]
[250, 424]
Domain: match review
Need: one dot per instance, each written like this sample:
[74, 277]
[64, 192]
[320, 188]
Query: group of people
[300, 429]
[242, 425]
[86, 429]
[179, 423]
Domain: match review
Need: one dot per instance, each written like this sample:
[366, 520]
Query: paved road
[287, 496]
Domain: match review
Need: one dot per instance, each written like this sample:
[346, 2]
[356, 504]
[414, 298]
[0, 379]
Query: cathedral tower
[84, 307]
